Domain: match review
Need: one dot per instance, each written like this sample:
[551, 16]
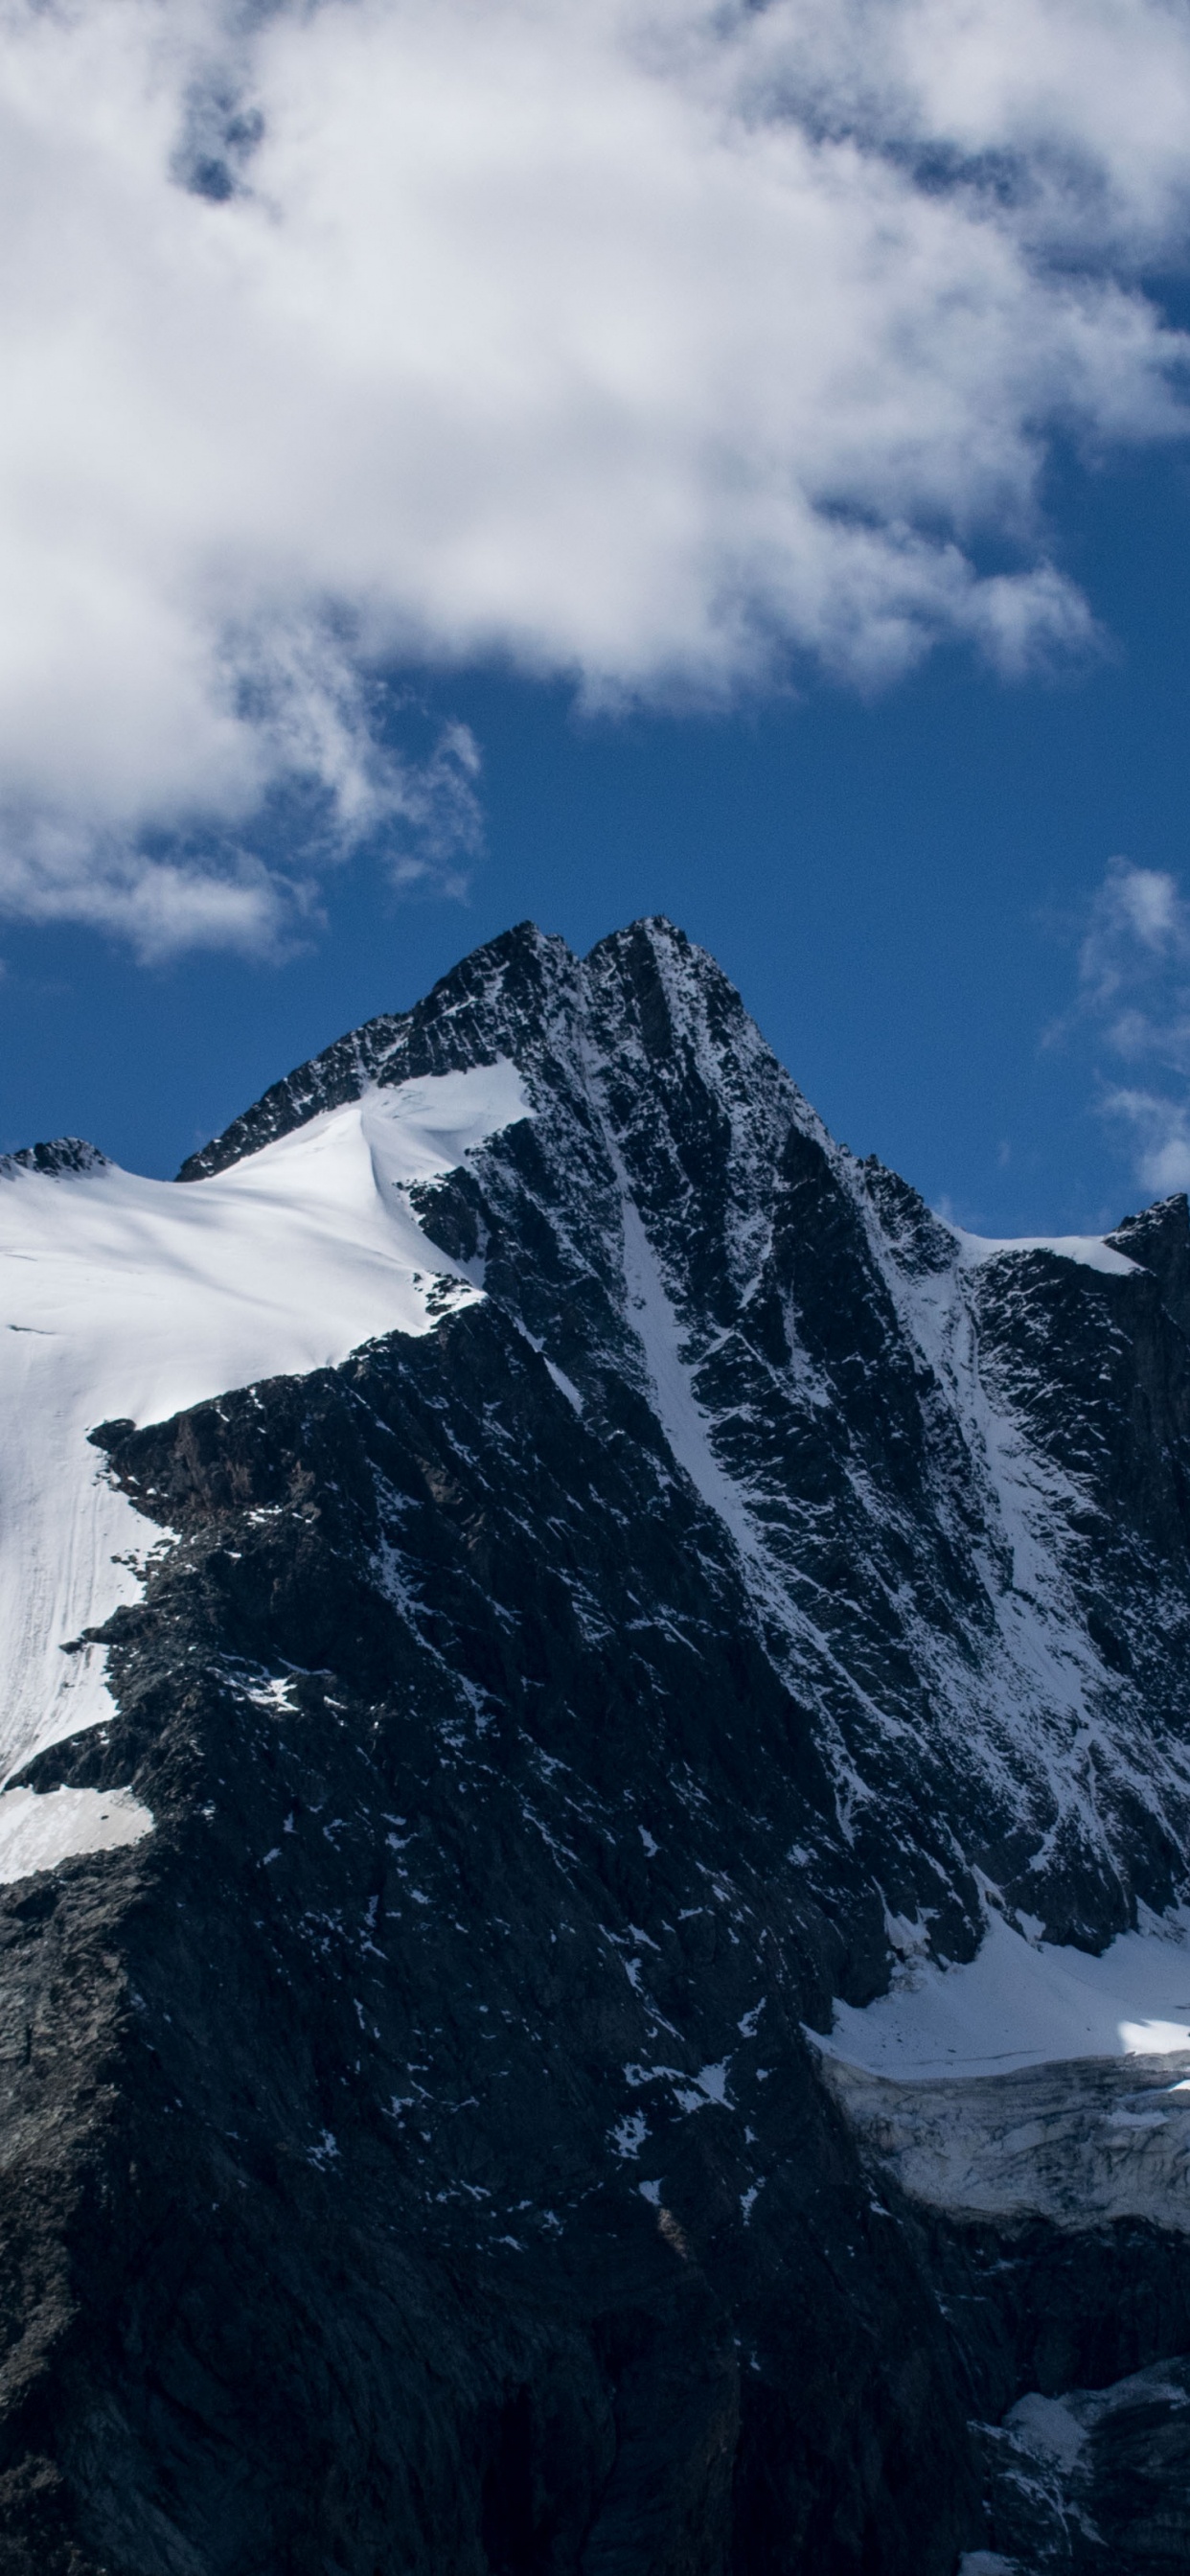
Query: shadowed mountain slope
[721, 1598]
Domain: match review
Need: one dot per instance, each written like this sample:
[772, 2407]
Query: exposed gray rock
[63, 1155]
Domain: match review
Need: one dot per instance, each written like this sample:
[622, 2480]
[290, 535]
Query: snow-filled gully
[124, 1298]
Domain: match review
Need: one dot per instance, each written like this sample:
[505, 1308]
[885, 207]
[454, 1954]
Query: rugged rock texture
[412, 2156]
[61, 1154]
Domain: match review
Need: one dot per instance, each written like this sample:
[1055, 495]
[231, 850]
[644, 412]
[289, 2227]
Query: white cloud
[1134, 990]
[655, 347]
[1134, 965]
[1159, 1129]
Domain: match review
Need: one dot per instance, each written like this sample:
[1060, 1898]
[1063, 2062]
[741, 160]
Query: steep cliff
[591, 1913]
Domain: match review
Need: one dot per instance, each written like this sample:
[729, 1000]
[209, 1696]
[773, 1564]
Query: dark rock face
[62, 1154]
[412, 2155]
[1097, 2480]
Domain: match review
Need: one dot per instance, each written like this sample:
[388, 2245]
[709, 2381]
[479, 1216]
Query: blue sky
[722, 473]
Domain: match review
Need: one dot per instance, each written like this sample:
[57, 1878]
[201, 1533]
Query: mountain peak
[1159, 1238]
[601, 1820]
[501, 998]
[57, 1159]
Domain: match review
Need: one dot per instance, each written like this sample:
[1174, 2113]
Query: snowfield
[130, 1298]
[1021, 2003]
[1089, 1249]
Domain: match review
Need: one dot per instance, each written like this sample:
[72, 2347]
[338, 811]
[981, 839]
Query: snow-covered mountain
[133, 1296]
[596, 1829]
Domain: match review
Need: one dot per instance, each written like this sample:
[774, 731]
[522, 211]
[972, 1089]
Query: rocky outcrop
[414, 2153]
[61, 1154]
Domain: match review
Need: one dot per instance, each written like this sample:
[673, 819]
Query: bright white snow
[123, 1297]
[40, 1828]
[1090, 1249]
[680, 1415]
[1020, 2003]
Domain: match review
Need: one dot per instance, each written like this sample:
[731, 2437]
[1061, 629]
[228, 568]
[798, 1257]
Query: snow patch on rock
[1021, 2003]
[1092, 1250]
[38, 1829]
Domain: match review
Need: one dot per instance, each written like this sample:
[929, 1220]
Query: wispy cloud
[1134, 990]
[1159, 1129]
[657, 347]
[326, 780]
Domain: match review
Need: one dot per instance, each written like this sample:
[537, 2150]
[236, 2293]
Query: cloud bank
[664, 348]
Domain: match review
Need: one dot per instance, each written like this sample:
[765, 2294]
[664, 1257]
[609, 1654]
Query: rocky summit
[596, 1970]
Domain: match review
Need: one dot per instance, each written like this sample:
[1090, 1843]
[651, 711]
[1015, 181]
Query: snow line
[124, 1298]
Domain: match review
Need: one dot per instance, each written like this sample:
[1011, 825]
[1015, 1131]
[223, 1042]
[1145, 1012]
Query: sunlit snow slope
[1020, 2003]
[130, 1298]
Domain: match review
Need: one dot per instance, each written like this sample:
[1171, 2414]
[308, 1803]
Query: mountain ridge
[729, 1607]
